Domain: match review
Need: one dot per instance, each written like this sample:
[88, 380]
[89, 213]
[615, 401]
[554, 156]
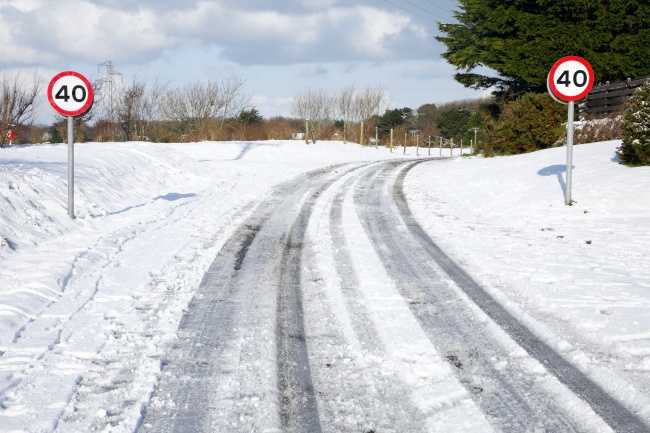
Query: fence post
[440, 146]
[376, 137]
[405, 135]
[391, 140]
[361, 137]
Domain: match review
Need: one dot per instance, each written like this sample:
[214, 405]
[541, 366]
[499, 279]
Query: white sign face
[571, 78]
[70, 94]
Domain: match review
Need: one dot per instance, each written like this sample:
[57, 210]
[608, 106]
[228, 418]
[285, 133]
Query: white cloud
[277, 45]
[65, 31]
[22, 5]
[90, 30]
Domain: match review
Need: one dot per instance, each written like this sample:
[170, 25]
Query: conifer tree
[522, 39]
[635, 149]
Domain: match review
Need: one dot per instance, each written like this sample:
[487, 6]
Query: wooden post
[391, 140]
[440, 146]
[451, 147]
[376, 137]
[361, 137]
[417, 145]
[429, 145]
[474, 143]
[307, 131]
[461, 147]
[405, 135]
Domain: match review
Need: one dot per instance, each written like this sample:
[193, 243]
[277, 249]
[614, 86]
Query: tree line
[220, 110]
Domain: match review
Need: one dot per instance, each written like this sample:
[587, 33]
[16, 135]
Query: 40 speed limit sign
[571, 78]
[70, 94]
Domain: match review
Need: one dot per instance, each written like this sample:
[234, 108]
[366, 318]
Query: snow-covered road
[331, 310]
[336, 302]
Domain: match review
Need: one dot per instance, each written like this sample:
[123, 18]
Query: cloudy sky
[278, 46]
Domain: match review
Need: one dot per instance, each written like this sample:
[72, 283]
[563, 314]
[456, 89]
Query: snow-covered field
[89, 307]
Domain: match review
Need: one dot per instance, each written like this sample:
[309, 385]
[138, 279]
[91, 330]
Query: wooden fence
[610, 98]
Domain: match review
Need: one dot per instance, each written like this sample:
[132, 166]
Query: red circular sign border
[87, 104]
[557, 64]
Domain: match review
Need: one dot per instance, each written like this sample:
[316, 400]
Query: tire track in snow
[386, 403]
[356, 386]
[613, 412]
[513, 401]
[218, 375]
[299, 408]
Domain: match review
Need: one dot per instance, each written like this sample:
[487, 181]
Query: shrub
[594, 129]
[635, 149]
[532, 122]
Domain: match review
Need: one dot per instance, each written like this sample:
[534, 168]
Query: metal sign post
[71, 95]
[71, 166]
[569, 154]
[570, 79]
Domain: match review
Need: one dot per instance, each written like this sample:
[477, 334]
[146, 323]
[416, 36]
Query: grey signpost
[71, 95]
[570, 79]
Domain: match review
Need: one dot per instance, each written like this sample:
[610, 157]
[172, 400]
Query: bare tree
[17, 108]
[152, 108]
[130, 109]
[317, 107]
[232, 100]
[353, 106]
[345, 104]
[196, 106]
[370, 102]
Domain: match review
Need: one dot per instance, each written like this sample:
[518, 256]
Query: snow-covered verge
[578, 275]
[89, 307]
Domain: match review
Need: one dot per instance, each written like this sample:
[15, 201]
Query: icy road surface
[331, 310]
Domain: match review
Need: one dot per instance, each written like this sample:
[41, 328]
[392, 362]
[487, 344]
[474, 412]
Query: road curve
[331, 310]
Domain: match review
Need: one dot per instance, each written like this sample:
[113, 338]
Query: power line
[425, 10]
[422, 9]
[439, 7]
[414, 13]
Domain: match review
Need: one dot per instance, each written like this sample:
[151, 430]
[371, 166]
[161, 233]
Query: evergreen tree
[55, 134]
[250, 117]
[427, 116]
[393, 118]
[452, 123]
[635, 149]
[522, 39]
